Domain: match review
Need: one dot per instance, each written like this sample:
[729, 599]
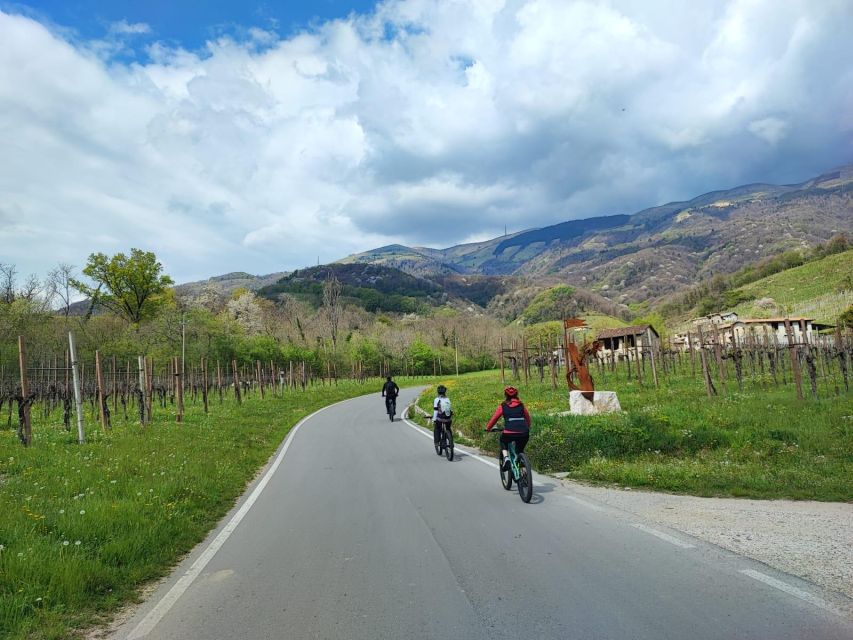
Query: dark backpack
[390, 389]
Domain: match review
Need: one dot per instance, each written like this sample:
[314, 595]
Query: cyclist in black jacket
[390, 390]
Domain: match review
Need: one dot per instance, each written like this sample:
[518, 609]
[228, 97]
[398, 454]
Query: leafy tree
[129, 286]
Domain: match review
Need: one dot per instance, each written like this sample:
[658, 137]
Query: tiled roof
[621, 332]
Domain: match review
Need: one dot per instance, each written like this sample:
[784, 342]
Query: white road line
[784, 586]
[161, 608]
[467, 452]
[588, 505]
[663, 536]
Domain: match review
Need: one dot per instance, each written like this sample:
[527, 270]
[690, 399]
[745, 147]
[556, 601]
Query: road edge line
[153, 617]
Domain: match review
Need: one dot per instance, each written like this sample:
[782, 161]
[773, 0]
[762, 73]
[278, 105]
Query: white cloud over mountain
[428, 121]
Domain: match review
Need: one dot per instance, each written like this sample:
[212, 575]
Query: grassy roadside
[83, 527]
[759, 443]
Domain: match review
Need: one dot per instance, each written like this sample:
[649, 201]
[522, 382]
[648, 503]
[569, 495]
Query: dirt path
[811, 540]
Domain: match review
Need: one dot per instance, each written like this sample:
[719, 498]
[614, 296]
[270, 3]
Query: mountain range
[612, 261]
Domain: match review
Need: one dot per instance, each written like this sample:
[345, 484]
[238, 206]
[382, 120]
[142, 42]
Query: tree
[332, 306]
[60, 284]
[130, 287]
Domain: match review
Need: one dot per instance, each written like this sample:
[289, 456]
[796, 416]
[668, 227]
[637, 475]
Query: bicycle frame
[513, 462]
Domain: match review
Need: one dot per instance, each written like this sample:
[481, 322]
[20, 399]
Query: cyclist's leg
[521, 442]
[436, 431]
[504, 443]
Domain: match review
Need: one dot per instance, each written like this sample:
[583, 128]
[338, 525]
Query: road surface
[360, 531]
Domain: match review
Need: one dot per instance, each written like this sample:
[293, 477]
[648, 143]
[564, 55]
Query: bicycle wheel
[525, 478]
[448, 445]
[392, 409]
[506, 476]
[439, 446]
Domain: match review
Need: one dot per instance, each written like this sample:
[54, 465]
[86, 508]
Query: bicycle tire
[525, 478]
[448, 445]
[439, 446]
[506, 475]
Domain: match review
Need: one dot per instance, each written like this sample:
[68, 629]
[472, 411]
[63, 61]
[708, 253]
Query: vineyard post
[503, 376]
[456, 352]
[637, 358]
[237, 393]
[102, 400]
[26, 425]
[706, 374]
[114, 375]
[148, 370]
[654, 368]
[179, 391]
[140, 360]
[78, 400]
[204, 383]
[261, 378]
[795, 363]
[219, 380]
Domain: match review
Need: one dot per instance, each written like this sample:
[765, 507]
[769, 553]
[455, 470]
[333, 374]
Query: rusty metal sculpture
[577, 370]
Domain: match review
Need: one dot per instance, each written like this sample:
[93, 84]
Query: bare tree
[332, 306]
[59, 285]
[8, 282]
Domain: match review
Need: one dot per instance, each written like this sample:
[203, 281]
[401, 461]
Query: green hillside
[373, 287]
[821, 289]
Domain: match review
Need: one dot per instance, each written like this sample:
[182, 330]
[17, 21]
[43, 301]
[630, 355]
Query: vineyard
[52, 389]
[815, 366]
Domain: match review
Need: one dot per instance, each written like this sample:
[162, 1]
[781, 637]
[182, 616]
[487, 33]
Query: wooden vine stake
[102, 399]
[204, 384]
[26, 426]
[795, 361]
[179, 391]
[236, 383]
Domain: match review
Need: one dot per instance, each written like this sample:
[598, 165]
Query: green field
[760, 443]
[821, 289]
[83, 527]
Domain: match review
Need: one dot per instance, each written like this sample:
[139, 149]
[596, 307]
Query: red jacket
[514, 402]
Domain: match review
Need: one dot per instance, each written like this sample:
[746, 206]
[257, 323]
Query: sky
[265, 136]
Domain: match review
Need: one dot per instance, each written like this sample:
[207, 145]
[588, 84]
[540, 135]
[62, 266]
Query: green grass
[83, 527]
[814, 288]
[760, 443]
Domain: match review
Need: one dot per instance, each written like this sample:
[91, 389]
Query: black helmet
[441, 389]
[389, 378]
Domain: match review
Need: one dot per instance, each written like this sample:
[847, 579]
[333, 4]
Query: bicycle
[519, 471]
[391, 407]
[445, 441]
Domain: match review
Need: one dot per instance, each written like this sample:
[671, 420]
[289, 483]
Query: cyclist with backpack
[390, 391]
[442, 415]
[516, 423]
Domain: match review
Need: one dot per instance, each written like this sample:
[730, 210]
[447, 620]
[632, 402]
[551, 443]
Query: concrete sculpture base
[603, 402]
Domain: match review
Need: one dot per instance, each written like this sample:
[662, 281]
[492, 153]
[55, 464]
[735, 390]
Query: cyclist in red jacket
[516, 423]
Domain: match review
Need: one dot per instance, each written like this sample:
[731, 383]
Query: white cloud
[123, 27]
[263, 153]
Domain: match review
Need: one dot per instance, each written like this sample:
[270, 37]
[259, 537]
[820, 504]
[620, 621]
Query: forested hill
[374, 287]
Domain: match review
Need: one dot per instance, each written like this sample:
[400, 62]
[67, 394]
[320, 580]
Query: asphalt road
[362, 532]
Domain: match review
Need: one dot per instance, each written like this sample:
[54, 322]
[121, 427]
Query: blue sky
[260, 136]
[188, 23]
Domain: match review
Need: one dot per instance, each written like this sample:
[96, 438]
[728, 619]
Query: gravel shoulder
[811, 540]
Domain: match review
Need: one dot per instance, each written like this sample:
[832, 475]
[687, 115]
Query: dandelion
[65, 543]
[61, 511]
[82, 512]
[20, 554]
[113, 481]
[77, 543]
[2, 547]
